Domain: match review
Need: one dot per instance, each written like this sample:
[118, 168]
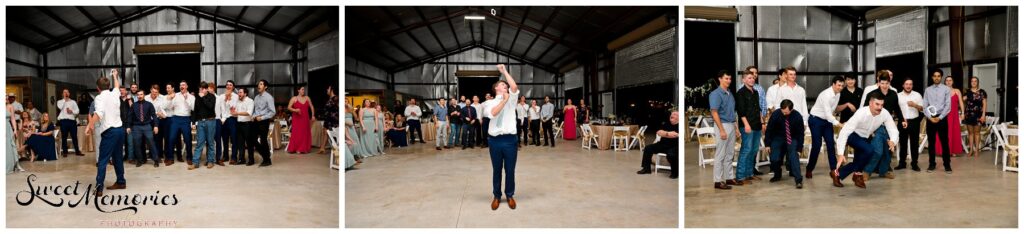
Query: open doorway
[905, 66]
[476, 86]
[161, 69]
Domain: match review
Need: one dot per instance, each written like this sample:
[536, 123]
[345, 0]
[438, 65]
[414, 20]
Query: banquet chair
[1000, 140]
[589, 138]
[638, 139]
[1010, 147]
[286, 134]
[56, 138]
[558, 129]
[989, 135]
[620, 138]
[706, 140]
[270, 138]
[658, 157]
[332, 136]
[696, 125]
[805, 155]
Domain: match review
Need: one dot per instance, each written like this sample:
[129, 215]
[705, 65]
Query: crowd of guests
[157, 128]
[874, 121]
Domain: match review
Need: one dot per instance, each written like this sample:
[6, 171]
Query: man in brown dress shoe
[108, 115]
[502, 138]
[855, 133]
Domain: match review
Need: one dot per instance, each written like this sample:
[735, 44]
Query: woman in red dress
[955, 138]
[569, 124]
[302, 112]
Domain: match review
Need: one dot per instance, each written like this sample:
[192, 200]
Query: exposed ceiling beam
[619, 19]
[88, 33]
[566, 33]
[498, 35]
[839, 12]
[116, 14]
[559, 59]
[410, 27]
[236, 24]
[519, 29]
[451, 26]
[35, 29]
[241, 13]
[431, 28]
[47, 12]
[303, 16]
[407, 33]
[541, 33]
[268, 17]
[511, 56]
[87, 15]
[542, 28]
[430, 59]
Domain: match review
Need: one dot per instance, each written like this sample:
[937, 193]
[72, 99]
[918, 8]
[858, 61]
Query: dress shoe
[900, 167]
[733, 182]
[755, 177]
[673, 177]
[209, 165]
[79, 154]
[116, 186]
[949, 171]
[746, 182]
[808, 175]
[65, 155]
[858, 180]
[250, 163]
[131, 161]
[495, 203]
[757, 173]
[438, 148]
[512, 203]
[220, 163]
[138, 164]
[180, 160]
[722, 185]
[835, 179]
[890, 175]
[915, 167]
[799, 185]
[191, 167]
[265, 164]
[189, 162]
[156, 164]
[99, 193]
[644, 171]
[233, 162]
[241, 161]
[775, 179]
[931, 168]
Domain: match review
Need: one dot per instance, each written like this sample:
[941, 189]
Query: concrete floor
[566, 186]
[297, 191]
[977, 194]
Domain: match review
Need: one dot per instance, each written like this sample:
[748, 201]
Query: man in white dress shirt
[502, 137]
[227, 127]
[412, 116]
[246, 139]
[792, 91]
[534, 113]
[108, 116]
[180, 106]
[521, 117]
[822, 121]
[911, 102]
[855, 133]
[67, 119]
[159, 106]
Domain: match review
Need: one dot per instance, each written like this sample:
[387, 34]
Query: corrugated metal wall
[794, 22]
[21, 53]
[241, 46]
[649, 61]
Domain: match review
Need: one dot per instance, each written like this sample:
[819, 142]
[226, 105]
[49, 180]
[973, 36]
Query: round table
[604, 134]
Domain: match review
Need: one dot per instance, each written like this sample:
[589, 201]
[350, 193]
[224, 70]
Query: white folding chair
[1010, 151]
[657, 158]
[696, 125]
[620, 138]
[332, 136]
[270, 138]
[706, 140]
[1000, 141]
[988, 131]
[638, 139]
[589, 138]
[558, 130]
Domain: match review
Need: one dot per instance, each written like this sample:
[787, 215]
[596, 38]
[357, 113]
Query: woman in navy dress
[42, 143]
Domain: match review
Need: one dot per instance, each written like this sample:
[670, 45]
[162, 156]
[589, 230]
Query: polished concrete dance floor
[297, 191]
[977, 194]
[565, 186]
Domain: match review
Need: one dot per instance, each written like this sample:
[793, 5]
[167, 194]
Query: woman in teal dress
[12, 157]
[380, 133]
[350, 127]
[368, 115]
[350, 159]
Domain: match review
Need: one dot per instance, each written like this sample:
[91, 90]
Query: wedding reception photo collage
[650, 116]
